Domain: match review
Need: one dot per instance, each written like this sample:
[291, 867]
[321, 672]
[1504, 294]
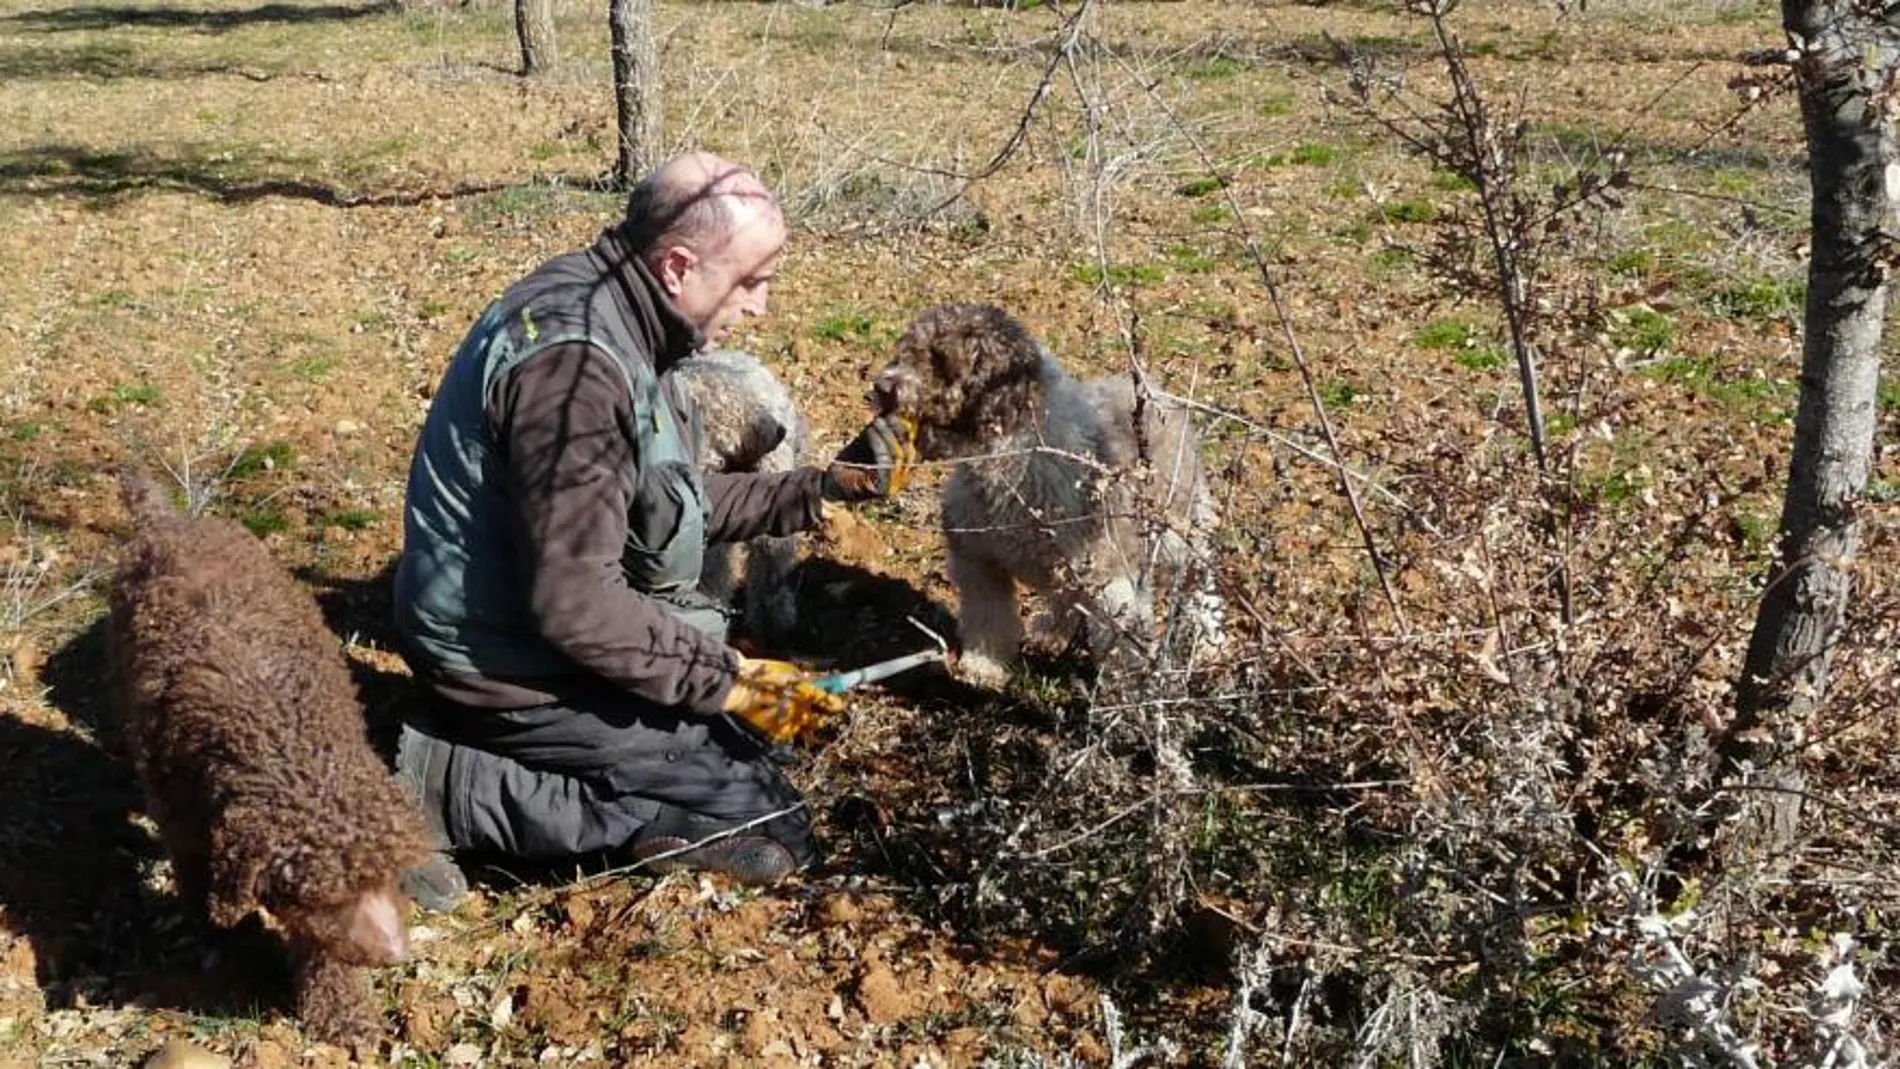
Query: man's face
[718, 285]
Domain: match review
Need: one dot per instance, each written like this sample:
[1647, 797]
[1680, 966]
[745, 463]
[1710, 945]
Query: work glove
[877, 463]
[776, 699]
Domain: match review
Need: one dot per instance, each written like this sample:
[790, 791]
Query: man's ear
[672, 266]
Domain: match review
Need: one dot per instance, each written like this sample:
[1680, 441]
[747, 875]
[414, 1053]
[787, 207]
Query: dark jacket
[555, 512]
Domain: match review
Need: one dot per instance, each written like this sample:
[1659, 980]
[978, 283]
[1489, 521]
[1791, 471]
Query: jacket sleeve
[747, 505]
[565, 424]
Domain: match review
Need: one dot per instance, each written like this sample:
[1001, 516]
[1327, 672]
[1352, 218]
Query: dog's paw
[981, 670]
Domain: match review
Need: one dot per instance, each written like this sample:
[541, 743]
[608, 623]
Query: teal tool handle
[839, 682]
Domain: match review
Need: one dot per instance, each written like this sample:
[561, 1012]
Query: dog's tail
[145, 499]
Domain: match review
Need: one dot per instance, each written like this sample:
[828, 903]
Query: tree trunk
[636, 89]
[1845, 78]
[534, 25]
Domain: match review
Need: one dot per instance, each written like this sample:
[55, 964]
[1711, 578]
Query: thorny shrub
[1467, 835]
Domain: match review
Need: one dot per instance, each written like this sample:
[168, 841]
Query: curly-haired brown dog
[747, 422]
[1053, 494]
[248, 739]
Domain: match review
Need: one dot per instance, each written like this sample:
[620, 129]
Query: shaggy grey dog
[747, 422]
[1061, 489]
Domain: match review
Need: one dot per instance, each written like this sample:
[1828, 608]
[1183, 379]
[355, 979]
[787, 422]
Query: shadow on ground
[98, 61]
[360, 609]
[198, 20]
[219, 172]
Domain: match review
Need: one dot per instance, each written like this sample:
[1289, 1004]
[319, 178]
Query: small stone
[579, 910]
[346, 427]
[881, 996]
[23, 663]
[179, 1054]
[270, 1054]
[840, 909]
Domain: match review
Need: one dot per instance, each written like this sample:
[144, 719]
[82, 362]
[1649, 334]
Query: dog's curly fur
[1054, 493]
[747, 422]
[247, 736]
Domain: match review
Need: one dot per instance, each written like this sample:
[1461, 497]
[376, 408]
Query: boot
[437, 883]
[750, 857]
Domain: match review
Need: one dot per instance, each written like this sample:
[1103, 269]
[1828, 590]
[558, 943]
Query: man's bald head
[696, 200]
[710, 233]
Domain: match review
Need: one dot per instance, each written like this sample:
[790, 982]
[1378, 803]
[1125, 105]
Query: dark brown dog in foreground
[249, 741]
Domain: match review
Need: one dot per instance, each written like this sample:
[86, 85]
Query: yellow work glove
[877, 463]
[779, 701]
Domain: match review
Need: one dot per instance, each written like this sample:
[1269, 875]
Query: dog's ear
[760, 436]
[968, 373]
[238, 862]
[1003, 368]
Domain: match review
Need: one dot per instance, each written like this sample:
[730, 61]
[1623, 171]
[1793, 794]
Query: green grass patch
[1753, 396]
[315, 367]
[143, 395]
[1200, 187]
[116, 299]
[1760, 298]
[25, 432]
[1887, 395]
[350, 519]
[263, 520]
[1618, 486]
[255, 460]
[1343, 189]
[1337, 393]
[1276, 104]
[534, 202]
[1757, 531]
[1313, 155]
[1213, 67]
[1191, 260]
[1391, 260]
[1452, 182]
[1357, 234]
[1118, 274]
[1736, 183]
[1642, 329]
[845, 327]
[1634, 262]
[1883, 491]
[1408, 211]
[1212, 214]
[1677, 236]
[1481, 358]
[1445, 334]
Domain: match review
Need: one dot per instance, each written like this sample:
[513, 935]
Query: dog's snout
[884, 390]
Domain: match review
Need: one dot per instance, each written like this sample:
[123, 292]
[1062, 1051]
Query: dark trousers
[590, 776]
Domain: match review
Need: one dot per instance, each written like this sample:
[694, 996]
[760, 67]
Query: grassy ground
[246, 239]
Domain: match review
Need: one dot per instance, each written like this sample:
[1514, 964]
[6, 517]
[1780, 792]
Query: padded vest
[460, 598]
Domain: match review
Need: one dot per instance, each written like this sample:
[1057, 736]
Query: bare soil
[243, 239]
